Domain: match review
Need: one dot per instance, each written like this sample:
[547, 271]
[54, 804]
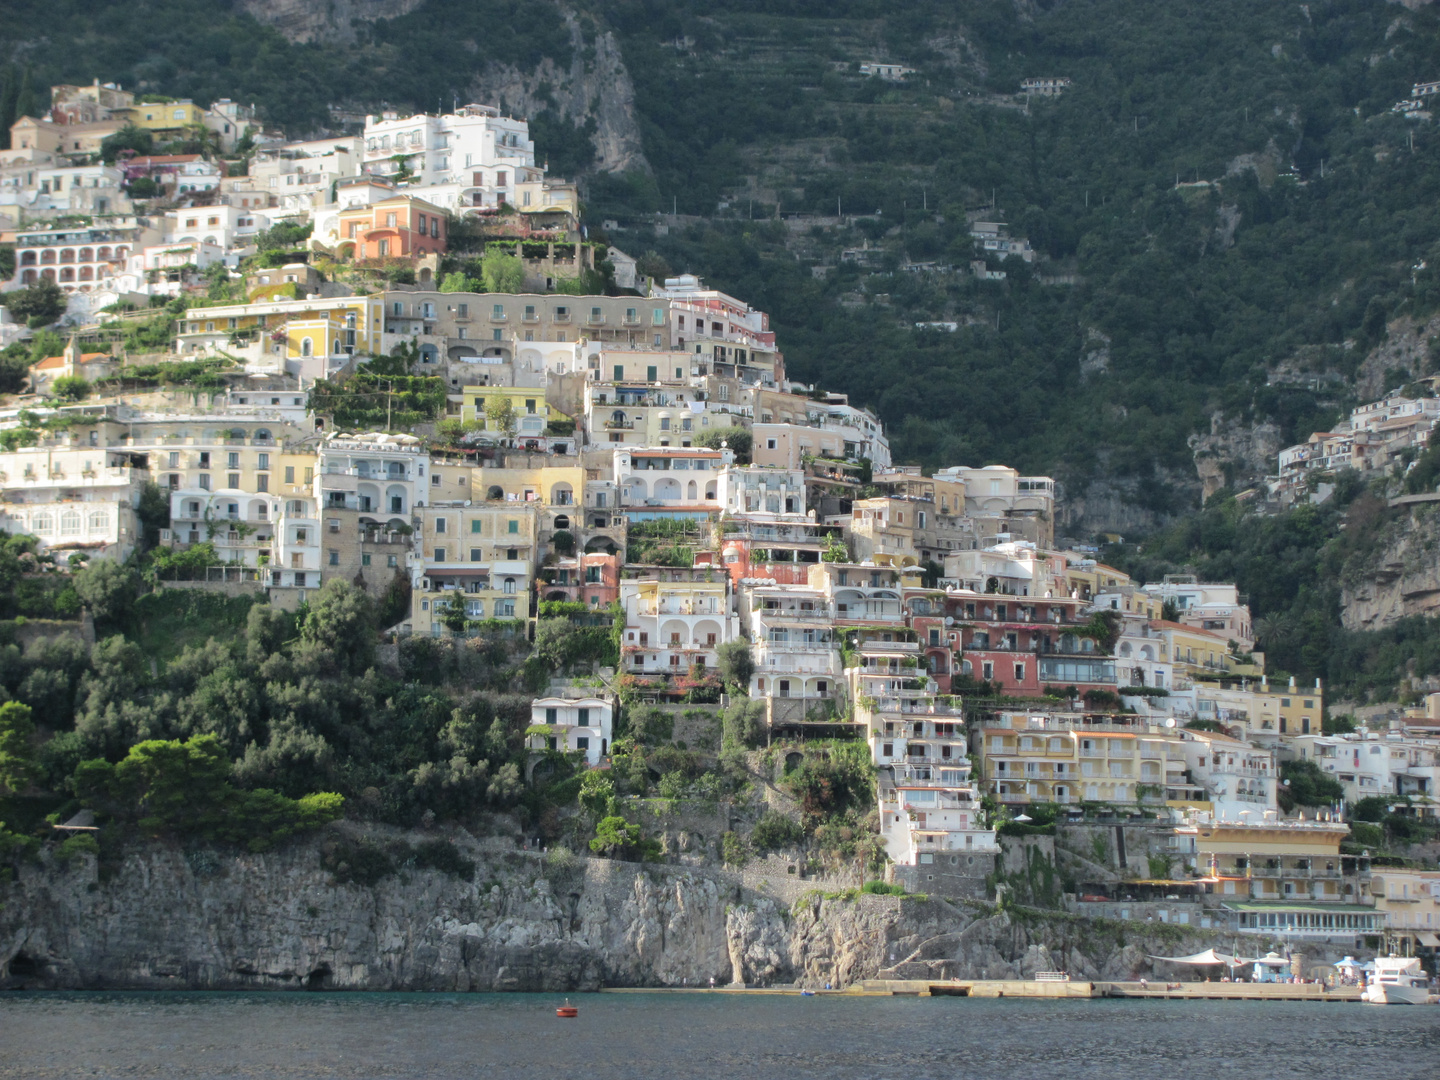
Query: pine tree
[9, 92]
[26, 103]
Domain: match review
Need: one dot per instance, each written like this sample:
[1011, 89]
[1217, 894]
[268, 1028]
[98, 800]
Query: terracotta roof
[50, 363]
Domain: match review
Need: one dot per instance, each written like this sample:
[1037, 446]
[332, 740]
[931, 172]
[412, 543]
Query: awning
[1202, 959]
[1428, 940]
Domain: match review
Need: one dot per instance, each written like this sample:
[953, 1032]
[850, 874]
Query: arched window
[307, 347]
[509, 588]
[99, 521]
[70, 522]
[43, 524]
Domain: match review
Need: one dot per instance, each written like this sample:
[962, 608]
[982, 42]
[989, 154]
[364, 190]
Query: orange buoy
[567, 1011]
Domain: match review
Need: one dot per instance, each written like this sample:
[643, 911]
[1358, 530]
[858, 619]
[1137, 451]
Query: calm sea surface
[668, 1036]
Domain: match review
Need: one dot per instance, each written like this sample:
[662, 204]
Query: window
[334, 558]
[232, 480]
[477, 555]
[232, 461]
[392, 560]
[262, 482]
[512, 526]
[475, 526]
[204, 481]
[365, 559]
[439, 554]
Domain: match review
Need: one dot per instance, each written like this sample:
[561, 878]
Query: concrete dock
[1018, 988]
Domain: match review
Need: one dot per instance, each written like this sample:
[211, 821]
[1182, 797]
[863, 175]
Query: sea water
[666, 1036]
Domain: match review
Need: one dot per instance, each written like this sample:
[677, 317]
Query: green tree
[500, 414]
[40, 304]
[502, 272]
[341, 619]
[108, 589]
[615, 838]
[458, 282]
[1304, 783]
[71, 388]
[735, 438]
[737, 665]
[27, 102]
[129, 137]
[18, 765]
[597, 793]
[9, 91]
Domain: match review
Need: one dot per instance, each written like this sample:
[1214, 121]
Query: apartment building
[399, 227]
[1026, 644]
[481, 557]
[591, 578]
[1287, 879]
[474, 147]
[1025, 505]
[77, 259]
[675, 621]
[298, 176]
[1216, 607]
[310, 336]
[795, 649]
[580, 725]
[1072, 758]
[772, 548]
[1236, 776]
[221, 224]
[669, 478]
[1410, 902]
[73, 497]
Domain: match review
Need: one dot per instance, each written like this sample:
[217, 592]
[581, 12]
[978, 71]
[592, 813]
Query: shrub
[882, 888]
[75, 846]
[733, 850]
[443, 855]
[775, 830]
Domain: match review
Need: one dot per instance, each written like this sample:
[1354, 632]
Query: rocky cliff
[591, 89]
[1397, 576]
[170, 918]
[332, 22]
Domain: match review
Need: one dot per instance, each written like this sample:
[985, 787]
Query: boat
[1396, 980]
[567, 1011]
[807, 993]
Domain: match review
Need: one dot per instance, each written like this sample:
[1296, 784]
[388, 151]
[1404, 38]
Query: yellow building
[1410, 900]
[1275, 860]
[159, 116]
[1025, 758]
[1090, 579]
[318, 327]
[481, 557]
[532, 411]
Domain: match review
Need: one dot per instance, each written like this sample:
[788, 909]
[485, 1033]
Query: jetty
[1041, 988]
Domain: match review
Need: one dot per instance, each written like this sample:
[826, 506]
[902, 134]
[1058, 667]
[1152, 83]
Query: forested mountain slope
[1253, 288]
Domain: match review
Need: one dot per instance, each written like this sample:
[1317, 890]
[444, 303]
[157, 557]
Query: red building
[592, 578]
[1025, 643]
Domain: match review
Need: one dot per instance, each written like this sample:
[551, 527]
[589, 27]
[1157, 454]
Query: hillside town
[399, 359]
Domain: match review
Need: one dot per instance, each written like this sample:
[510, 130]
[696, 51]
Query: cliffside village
[989, 670]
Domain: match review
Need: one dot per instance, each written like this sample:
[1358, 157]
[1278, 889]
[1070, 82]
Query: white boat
[1396, 980]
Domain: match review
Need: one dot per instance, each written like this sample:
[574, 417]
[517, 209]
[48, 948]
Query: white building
[222, 225]
[299, 176]
[1236, 776]
[73, 497]
[582, 724]
[474, 148]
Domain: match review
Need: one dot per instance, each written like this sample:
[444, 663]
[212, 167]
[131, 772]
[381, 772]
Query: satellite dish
[1169, 721]
[1021, 818]
[949, 620]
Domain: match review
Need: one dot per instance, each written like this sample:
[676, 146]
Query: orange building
[399, 227]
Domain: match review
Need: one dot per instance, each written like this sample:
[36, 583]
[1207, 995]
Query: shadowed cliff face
[168, 919]
[328, 23]
[591, 90]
